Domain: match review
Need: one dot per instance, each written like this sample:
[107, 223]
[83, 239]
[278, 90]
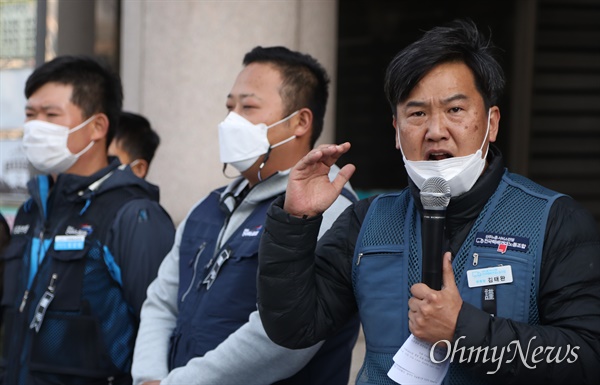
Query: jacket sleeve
[158, 319]
[141, 236]
[247, 356]
[565, 346]
[306, 295]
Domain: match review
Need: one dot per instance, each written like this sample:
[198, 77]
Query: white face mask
[45, 145]
[241, 143]
[131, 165]
[460, 172]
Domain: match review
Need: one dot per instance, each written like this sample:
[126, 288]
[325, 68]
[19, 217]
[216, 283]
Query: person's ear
[396, 133]
[100, 127]
[303, 122]
[494, 123]
[140, 168]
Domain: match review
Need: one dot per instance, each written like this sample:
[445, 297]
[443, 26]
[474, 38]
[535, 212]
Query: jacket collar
[70, 184]
[269, 188]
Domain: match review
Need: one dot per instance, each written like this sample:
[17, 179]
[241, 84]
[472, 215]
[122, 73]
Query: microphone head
[435, 193]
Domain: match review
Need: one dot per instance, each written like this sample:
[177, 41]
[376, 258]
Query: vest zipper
[358, 259]
[26, 294]
[196, 259]
[39, 256]
[360, 255]
[43, 216]
[24, 301]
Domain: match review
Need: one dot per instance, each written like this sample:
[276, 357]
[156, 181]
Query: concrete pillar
[75, 35]
[179, 60]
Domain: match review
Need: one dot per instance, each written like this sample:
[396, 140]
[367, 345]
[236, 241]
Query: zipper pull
[358, 259]
[24, 301]
[51, 285]
[475, 259]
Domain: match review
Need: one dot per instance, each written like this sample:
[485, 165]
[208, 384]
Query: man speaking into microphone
[520, 263]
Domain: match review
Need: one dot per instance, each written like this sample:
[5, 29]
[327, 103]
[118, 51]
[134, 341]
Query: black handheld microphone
[435, 196]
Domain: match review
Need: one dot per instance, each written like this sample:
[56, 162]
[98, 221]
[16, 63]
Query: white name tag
[69, 242]
[490, 276]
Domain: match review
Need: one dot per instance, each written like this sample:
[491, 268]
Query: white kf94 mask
[241, 142]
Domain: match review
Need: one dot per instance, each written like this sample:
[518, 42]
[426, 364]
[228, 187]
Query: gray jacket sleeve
[158, 319]
[245, 357]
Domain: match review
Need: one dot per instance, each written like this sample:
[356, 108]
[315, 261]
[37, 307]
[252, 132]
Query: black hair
[457, 41]
[136, 137]
[305, 81]
[96, 89]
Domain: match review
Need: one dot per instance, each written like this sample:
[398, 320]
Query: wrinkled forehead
[442, 85]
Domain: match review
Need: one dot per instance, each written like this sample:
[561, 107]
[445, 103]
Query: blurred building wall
[179, 60]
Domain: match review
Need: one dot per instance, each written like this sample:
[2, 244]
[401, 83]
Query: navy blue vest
[207, 316]
[387, 263]
[217, 293]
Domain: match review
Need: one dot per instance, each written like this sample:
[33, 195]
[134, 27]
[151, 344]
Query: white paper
[413, 364]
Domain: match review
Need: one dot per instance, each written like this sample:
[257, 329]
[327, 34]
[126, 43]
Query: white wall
[179, 60]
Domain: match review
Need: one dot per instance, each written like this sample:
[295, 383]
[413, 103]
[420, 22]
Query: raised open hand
[309, 190]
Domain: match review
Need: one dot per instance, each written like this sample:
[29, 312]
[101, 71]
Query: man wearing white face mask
[199, 323]
[460, 172]
[88, 242]
[521, 264]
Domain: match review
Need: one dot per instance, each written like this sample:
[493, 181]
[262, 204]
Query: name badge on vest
[496, 275]
[69, 242]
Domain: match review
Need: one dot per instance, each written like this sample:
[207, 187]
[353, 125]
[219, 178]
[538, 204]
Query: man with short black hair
[521, 263]
[199, 323]
[86, 244]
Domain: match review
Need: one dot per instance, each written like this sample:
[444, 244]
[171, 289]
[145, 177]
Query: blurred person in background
[134, 143]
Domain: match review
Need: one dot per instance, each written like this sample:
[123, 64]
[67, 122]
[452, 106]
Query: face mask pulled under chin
[241, 142]
[45, 145]
[460, 172]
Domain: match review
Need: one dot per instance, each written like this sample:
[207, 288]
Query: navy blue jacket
[82, 253]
